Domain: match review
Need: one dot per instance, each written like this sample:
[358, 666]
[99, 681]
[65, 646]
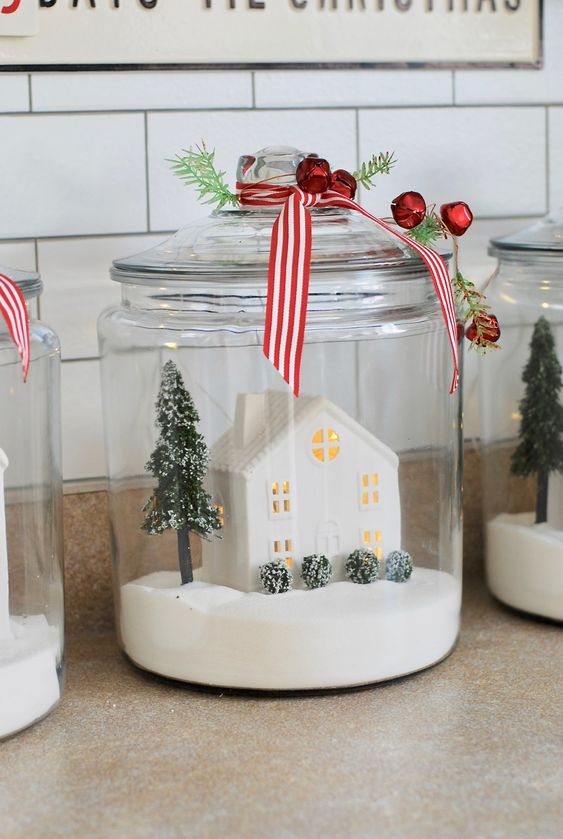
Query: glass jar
[31, 558]
[311, 505]
[522, 422]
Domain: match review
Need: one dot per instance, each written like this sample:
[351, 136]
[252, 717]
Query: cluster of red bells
[409, 210]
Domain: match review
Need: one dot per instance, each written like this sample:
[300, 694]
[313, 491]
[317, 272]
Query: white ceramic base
[338, 636]
[29, 685]
[525, 564]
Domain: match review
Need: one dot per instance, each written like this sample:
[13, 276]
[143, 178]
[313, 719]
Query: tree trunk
[541, 497]
[185, 556]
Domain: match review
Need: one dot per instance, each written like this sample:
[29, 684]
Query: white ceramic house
[294, 477]
[4, 591]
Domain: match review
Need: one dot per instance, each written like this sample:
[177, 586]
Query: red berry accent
[490, 330]
[457, 217]
[343, 182]
[313, 175]
[409, 209]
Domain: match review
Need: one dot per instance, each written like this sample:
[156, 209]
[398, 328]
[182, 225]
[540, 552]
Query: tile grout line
[73, 237]
[39, 300]
[87, 358]
[291, 108]
[253, 89]
[547, 162]
[147, 192]
[357, 129]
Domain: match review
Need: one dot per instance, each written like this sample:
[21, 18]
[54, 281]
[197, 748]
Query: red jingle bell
[409, 209]
[490, 330]
[343, 182]
[313, 175]
[457, 217]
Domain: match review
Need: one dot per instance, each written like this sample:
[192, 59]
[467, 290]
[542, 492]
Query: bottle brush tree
[540, 450]
[179, 461]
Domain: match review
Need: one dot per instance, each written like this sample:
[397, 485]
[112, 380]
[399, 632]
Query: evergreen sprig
[196, 167]
[429, 230]
[379, 164]
[472, 306]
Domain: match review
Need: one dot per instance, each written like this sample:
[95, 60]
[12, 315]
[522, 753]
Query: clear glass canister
[31, 560]
[311, 508]
[522, 422]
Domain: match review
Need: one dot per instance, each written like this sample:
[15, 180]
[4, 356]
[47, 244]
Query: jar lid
[236, 241]
[29, 282]
[545, 237]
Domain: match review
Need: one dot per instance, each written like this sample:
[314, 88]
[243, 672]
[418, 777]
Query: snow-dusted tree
[180, 462]
[541, 443]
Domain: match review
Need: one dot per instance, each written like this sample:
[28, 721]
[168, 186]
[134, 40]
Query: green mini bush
[362, 566]
[276, 577]
[316, 570]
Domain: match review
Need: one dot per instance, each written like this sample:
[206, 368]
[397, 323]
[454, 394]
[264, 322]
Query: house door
[328, 539]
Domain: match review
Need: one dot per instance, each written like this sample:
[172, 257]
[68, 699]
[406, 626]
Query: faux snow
[525, 564]
[29, 685]
[340, 635]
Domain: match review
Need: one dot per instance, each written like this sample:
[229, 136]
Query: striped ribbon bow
[13, 308]
[290, 267]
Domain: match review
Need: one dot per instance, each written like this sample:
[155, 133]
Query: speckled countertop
[470, 748]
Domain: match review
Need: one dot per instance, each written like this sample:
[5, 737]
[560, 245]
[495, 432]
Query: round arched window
[326, 444]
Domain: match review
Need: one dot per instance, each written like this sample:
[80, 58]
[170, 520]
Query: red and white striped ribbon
[290, 267]
[14, 311]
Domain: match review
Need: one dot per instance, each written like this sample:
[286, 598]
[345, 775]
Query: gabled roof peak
[263, 420]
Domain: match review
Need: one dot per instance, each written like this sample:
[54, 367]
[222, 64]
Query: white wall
[84, 178]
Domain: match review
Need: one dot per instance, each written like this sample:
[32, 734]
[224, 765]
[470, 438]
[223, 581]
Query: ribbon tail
[438, 271]
[288, 288]
[13, 309]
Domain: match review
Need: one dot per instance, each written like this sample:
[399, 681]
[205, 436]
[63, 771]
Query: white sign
[18, 17]
[184, 33]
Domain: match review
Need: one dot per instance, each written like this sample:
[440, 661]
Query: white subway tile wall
[140, 91]
[14, 94]
[85, 178]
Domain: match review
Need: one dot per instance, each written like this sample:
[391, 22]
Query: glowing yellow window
[282, 550]
[279, 498]
[326, 444]
[372, 541]
[368, 495]
[221, 514]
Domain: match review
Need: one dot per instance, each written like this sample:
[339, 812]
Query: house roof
[283, 412]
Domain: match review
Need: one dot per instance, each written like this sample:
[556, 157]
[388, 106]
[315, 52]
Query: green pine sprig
[471, 305]
[429, 230]
[196, 167]
[379, 164]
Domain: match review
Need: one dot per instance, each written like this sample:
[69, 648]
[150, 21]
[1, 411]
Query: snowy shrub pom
[398, 566]
[316, 570]
[362, 567]
[276, 577]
